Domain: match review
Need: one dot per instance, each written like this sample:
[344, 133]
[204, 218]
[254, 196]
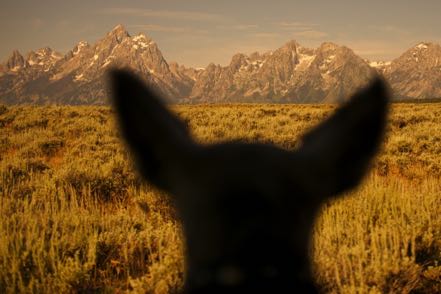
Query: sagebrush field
[76, 218]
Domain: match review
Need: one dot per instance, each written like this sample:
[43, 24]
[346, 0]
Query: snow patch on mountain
[379, 64]
[421, 46]
[305, 60]
[81, 45]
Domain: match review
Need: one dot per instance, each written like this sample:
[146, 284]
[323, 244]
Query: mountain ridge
[289, 74]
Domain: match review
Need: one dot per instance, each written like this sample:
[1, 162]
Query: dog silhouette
[248, 209]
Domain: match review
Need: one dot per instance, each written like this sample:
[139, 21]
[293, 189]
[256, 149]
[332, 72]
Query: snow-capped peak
[81, 45]
[139, 37]
[305, 59]
[141, 41]
[421, 46]
[119, 33]
[118, 27]
[43, 58]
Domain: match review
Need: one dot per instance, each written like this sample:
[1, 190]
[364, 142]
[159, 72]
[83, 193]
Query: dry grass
[75, 218]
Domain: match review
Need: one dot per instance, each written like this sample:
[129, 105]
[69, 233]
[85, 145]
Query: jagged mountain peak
[417, 72]
[291, 45]
[45, 52]
[212, 66]
[78, 78]
[424, 54]
[80, 47]
[15, 53]
[119, 33]
[238, 61]
[16, 61]
[329, 46]
[290, 73]
[118, 29]
[117, 48]
[141, 41]
[334, 55]
[142, 37]
[255, 56]
[423, 48]
[423, 45]
[44, 57]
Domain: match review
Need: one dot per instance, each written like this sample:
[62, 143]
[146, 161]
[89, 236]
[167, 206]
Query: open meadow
[75, 218]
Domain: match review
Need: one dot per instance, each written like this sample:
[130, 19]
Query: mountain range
[289, 74]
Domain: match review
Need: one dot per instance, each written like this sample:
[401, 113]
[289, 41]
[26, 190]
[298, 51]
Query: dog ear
[341, 148]
[156, 137]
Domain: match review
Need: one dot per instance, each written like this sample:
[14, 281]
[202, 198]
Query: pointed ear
[341, 148]
[156, 137]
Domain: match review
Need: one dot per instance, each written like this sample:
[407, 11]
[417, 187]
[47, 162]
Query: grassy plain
[75, 218]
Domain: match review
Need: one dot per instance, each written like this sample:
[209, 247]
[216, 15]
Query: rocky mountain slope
[79, 76]
[289, 74]
[417, 73]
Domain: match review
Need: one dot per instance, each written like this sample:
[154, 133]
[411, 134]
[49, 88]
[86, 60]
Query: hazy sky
[196, 32]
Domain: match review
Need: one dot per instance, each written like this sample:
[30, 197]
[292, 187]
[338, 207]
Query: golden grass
[75, 217]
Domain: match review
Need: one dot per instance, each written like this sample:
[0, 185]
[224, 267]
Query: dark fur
[248, 209]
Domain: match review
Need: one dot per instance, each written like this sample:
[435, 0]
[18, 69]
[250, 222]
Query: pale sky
[197, 32]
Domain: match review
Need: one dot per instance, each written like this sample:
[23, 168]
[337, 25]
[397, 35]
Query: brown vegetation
[75, 218]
